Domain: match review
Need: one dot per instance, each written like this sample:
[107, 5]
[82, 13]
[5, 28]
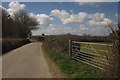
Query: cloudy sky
[68, 17]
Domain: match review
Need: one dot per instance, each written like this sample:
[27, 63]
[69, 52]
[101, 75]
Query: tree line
[19, 25]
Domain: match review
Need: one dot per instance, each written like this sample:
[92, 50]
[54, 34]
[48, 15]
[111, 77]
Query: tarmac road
[26, 62]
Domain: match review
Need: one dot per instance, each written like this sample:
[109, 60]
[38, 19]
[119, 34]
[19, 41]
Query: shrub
[60, 43]
[9, 44]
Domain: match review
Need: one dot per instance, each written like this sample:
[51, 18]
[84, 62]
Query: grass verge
[72, 68]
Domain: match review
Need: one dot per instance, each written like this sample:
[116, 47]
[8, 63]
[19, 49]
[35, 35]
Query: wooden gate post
[70, 47]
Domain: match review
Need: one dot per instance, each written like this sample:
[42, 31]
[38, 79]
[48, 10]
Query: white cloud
[15, 7]
[93, 24]
[76, 18]
[63, 15]
[99, 19]
[59, 13]
[43, 19]
[50, 30]
[67, 18]
[56, 30]
[81, 17]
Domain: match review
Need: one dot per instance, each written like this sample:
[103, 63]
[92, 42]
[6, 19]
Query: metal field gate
[91, 53]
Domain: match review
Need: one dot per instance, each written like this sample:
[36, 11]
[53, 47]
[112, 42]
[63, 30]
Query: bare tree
[115, 28]
[26, 22]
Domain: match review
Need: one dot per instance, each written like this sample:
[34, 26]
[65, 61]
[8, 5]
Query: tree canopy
[19, 25]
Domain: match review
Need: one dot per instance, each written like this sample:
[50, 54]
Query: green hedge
[10, 44]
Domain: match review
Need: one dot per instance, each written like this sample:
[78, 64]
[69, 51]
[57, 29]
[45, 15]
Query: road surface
[28, 62]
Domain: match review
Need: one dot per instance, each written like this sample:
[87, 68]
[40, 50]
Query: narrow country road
[26, 62]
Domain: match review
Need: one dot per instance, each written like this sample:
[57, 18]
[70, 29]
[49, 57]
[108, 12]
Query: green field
[96, 48]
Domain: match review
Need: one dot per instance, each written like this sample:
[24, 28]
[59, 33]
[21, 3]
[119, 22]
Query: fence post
[70, 47]
[80, 46]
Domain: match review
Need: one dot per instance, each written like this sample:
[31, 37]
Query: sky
[62, 0]
[68, 17]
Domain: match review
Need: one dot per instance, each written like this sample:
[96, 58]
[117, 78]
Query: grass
[106, 50]
[72, 68]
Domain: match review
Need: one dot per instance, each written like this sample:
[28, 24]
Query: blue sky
[63, 0]
[109, 8]
[58, 24]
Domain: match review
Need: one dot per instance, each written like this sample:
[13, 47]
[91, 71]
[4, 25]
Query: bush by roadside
[10, 44]
[60, 43]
